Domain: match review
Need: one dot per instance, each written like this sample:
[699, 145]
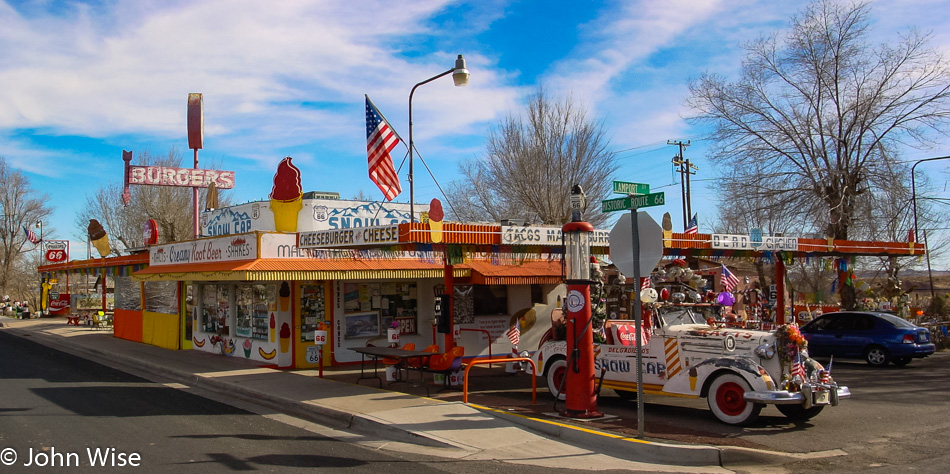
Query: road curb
[614, 445]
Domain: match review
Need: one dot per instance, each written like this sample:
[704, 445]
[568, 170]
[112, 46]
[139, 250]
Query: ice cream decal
[247, 348]
[284, 296]
[273, 326]
[435, 220]
[99, 238]
[286, 197]
[284, 337]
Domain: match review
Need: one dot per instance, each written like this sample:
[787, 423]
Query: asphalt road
[58, 410]
[897, 420]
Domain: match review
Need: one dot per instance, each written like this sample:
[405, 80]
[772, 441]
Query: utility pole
[685, 169]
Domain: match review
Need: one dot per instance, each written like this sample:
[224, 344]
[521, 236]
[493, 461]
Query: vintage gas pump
[579, 387]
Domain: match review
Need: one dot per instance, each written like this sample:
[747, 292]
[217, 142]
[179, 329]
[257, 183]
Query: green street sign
[630, 202]
[623, 187]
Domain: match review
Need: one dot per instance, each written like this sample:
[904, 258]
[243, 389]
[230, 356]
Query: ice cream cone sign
[286, 197]
[667, 230]
[435, 220]
[99, 238]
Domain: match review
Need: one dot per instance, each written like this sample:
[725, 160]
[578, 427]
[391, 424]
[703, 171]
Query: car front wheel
[877, 356]
[556, 371]
[725, 400]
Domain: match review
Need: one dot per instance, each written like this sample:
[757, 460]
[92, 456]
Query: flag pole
[387, 120]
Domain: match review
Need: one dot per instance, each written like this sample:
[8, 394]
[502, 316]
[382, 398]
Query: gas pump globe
[580, 397]
[577, 250]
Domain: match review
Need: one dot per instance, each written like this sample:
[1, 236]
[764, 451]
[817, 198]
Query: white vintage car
[738, 370]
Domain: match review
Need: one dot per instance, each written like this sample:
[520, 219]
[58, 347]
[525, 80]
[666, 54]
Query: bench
[444, 364]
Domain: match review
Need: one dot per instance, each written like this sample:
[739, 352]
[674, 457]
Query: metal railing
[473, 362]
[488, 335]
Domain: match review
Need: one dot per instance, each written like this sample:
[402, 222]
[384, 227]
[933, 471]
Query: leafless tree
[170, 206]
[531, 164]
[20, 206]
[816, 116]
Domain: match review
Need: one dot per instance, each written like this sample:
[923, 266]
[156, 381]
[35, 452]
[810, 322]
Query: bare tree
[170, 206]
[531, 164]
[816, 116]
[20, 206]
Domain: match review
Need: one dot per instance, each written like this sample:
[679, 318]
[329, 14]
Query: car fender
[548, 350]
[695, 380]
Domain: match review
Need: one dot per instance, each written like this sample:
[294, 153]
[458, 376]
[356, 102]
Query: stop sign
[621, 244]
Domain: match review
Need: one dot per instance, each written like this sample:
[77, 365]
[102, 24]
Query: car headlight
[765, 351]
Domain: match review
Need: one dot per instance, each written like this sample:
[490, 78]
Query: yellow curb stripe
[562, 425]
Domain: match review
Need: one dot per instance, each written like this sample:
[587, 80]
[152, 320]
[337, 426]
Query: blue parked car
[878, 338]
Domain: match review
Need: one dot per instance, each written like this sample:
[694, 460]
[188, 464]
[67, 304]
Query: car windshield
[680, 315]
[896, 321]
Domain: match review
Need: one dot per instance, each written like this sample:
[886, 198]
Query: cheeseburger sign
[349, 237]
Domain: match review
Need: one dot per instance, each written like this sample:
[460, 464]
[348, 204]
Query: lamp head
[461, 74]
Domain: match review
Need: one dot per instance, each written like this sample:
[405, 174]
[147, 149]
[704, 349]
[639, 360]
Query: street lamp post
[913, 190]
[460, 75]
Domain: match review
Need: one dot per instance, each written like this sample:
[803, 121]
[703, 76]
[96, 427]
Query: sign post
[632, 202]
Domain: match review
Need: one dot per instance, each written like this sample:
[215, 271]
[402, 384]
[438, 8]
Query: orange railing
[534, 375]
[488, 335]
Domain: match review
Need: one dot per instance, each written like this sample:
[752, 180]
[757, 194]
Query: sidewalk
[480, 432]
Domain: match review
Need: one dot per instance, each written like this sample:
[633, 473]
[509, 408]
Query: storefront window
[251, 311]
[370, 306]
[312, 310]
[161, 297]
[490, 299]
[215, 308]
[128, 294]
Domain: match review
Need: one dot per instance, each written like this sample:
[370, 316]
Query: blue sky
[80, 81]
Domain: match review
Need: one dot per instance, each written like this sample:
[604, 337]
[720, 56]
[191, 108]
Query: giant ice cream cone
[285, 214]
[667, 230]
[435, 220]
[286, 197]
[99, 238]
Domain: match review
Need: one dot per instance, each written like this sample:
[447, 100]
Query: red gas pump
[579, 386]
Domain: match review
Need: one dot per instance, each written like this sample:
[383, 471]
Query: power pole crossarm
[684, 170]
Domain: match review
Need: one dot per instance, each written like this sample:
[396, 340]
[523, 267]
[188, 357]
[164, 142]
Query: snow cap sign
[286, 197]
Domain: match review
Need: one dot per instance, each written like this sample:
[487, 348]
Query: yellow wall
[160, 329]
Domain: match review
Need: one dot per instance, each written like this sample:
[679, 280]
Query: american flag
[380, 140]
[798, 368]
[31, 236]
[693, 227]
[514, 335]
[728, 280]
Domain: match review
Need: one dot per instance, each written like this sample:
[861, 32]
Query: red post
[779, 291]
